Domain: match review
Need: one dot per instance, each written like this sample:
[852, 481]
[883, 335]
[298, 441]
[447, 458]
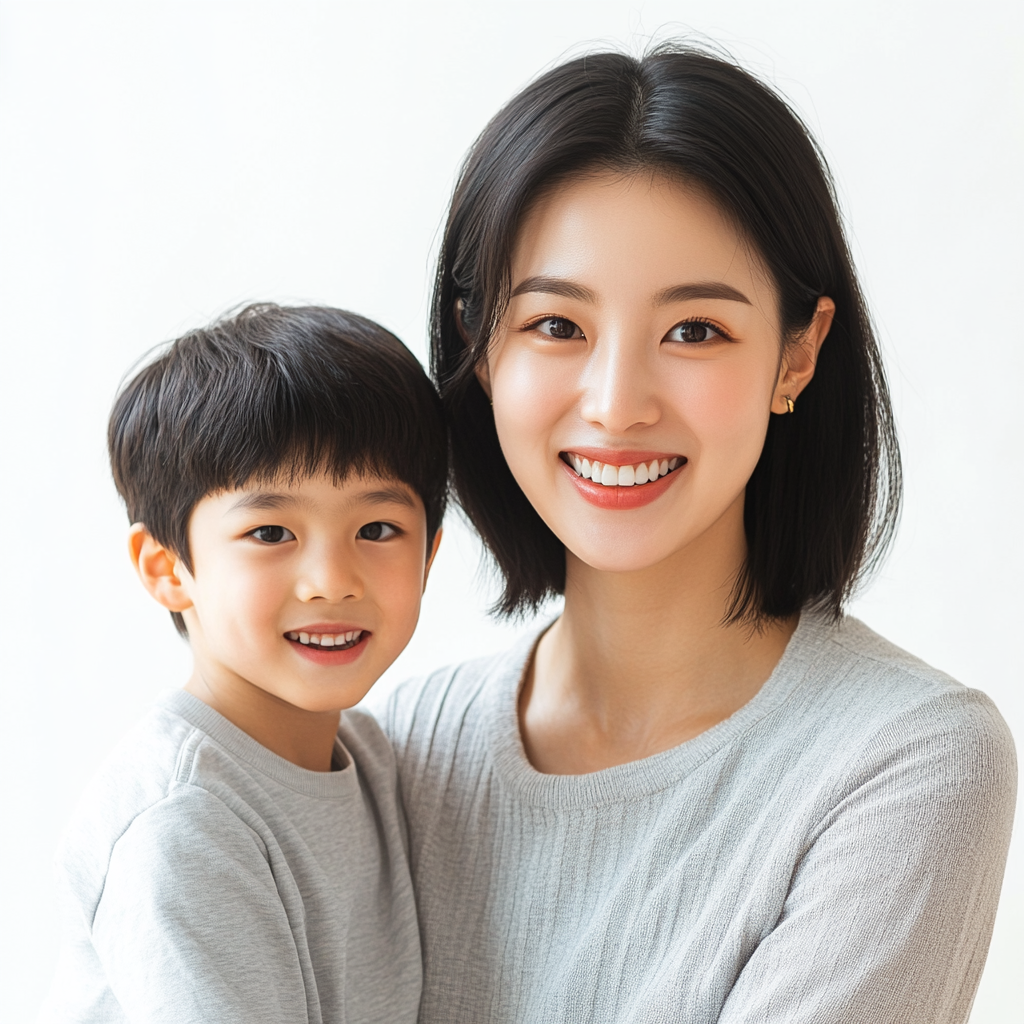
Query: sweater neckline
[649, 775]
[320, 785]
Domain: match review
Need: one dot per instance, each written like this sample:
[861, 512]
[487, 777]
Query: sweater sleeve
[890, 910]
[190, 926]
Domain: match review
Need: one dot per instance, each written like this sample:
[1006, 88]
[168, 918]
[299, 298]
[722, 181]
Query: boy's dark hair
[823, 501]
[268, 390]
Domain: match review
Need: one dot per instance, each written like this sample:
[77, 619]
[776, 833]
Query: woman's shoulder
[871, 655]
[869, 693]
[850, 657]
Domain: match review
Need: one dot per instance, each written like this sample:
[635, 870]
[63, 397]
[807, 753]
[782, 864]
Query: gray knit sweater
[832, 852]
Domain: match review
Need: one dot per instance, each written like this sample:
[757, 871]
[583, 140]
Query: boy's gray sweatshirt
[206, 879]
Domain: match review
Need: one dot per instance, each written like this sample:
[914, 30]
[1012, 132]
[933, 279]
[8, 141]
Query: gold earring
[790, 404]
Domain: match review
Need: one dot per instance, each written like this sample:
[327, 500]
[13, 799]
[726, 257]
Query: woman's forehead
[642, 232]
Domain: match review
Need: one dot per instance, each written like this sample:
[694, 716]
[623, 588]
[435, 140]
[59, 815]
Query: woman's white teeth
[326, 639]
[623, 476]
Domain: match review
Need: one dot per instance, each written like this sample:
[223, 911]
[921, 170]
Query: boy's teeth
[623, 476]
[326, 639]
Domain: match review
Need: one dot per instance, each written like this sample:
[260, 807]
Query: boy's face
[309, 589]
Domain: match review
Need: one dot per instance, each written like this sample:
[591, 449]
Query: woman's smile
[621, 479]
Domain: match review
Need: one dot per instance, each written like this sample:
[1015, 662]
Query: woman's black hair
[273, 390]
[823, 501]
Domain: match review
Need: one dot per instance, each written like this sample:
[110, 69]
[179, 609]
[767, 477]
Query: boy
[241, 856]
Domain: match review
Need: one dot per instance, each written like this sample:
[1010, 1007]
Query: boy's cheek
[398, 596]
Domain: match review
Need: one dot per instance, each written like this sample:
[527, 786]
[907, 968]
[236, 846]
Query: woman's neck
[641, 662]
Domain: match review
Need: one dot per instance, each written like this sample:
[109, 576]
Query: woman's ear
[460, 305]
[483, 374]
[482, 371]
[159, 569]
[801, 357]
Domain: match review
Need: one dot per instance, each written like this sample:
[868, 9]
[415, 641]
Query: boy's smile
[329, 643]
[302, 592]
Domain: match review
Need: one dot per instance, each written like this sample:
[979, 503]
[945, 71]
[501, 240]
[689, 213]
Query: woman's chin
[615, 557]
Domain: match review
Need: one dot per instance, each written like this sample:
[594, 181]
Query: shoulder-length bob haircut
[823, 501]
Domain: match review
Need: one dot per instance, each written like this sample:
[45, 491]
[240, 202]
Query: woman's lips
[632, 480]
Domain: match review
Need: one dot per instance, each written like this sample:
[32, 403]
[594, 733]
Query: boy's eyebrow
[389, 496]
[263, 501]
[267, 501]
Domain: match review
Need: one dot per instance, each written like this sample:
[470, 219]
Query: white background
[163, 161]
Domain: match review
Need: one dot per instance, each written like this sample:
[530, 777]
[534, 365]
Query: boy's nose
[329, 576]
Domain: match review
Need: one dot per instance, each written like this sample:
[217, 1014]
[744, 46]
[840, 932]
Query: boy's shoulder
[138, 774]
[184, 771]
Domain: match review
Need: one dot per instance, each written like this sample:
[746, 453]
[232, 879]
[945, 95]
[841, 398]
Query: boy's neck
[305, 738]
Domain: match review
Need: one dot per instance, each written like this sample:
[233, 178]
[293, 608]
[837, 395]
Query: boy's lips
[328, 643]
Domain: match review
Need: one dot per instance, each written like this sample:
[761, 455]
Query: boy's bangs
[307, 458]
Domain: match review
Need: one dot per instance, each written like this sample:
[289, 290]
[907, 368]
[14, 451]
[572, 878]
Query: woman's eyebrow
[700, 290]
[677, 293]
[553, 286]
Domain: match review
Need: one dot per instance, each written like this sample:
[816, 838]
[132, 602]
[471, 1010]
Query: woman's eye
[559, 328]
[376, 531]
[272, 534]
[693, 332]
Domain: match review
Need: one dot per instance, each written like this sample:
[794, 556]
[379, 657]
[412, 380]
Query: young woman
[701, 794]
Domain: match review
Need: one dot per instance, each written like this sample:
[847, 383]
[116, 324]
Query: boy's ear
[159, 569]
[432, 556]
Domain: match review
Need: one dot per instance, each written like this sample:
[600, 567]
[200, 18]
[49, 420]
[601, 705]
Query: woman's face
[642, 335]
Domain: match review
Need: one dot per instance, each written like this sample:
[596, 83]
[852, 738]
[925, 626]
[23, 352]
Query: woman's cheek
[728, 413]
[530, 395]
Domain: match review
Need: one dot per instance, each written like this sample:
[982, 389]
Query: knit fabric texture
[831, 853]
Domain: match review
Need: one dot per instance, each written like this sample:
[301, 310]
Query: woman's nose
[619, 386]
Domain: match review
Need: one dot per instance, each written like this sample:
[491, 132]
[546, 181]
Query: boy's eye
[693, 332]
[272, 534]
[376, 531]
